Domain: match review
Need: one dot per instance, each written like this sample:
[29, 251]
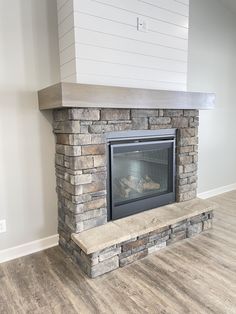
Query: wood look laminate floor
[194, 276]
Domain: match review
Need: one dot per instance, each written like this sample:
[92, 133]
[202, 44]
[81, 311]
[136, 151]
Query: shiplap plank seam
[156, 3]
[160, 59]
[170, 21]
[151, 29]
[112, 41]
[131, 34]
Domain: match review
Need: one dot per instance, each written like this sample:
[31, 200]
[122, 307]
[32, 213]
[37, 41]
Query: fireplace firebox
[141, 171]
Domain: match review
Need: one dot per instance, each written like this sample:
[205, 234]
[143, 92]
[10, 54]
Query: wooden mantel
[64, 95]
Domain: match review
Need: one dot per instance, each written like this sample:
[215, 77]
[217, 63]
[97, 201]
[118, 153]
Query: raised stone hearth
[119, 243]
[81, 133]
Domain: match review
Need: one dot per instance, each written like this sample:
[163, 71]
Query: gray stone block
[138, 249]
[207, 224]
[104, 267]
[84, 114]
[115, 114]
[122, 127]
[177, 224]
[191, 113]
[187, 132]
[144, 236]
[84, 129]
[60, 114]
[91, 214]
[97, 139]
[188, 141]
[80, 139]
[95, 195]
[68, 150]
[98, 203]
[134, 244]
[59, 160]
[194, 229]
[122, 244]
[194, 123]
[80, 179]
[108, 253]
[93, 187]
[154, 237]
[91, 223]
[190, 168]
[192, 179]
[132, 258]
[81, 162]
[95, 171]
[160, 126]
[196, 219]
[180, 122]
[187, 188]
[66, 127]
[91, 261]
[185, 149]
[99, 160]
[180, 228]
[182, 197]
[120, 122]
[99, 176]
[173, 112]
[125, 254]
[182, 181]
[144, 113]
[139, 123]
[184, 160]
[159, 120]
[69, 188]
[101, 128]
[98, 149]
[165, 233]
[187, 175]
[175, 237]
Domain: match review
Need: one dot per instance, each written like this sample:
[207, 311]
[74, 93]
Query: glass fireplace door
[141, 176]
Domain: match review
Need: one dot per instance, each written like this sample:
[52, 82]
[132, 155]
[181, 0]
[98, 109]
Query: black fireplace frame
[149, 137]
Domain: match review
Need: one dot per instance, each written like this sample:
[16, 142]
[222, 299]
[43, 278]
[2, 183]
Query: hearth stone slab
[124, 229]
[119, 243]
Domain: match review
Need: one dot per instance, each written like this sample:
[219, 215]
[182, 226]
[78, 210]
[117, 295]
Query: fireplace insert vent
[141, 171]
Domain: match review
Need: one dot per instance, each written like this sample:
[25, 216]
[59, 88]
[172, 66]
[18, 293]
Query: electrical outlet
[142, 25]
[3, 227]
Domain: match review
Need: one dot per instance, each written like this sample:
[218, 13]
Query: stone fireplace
[115, 162]
[82, 157]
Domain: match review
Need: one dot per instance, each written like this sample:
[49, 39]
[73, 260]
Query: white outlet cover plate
[142, 25]
[3, 227]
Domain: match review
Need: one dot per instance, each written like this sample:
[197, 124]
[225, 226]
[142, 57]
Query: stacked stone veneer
[81, 159]
[125, 253]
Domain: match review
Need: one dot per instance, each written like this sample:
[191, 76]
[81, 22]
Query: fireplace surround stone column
[81, 159]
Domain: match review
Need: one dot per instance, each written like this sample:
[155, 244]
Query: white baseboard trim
[217, 191]
[28, 248]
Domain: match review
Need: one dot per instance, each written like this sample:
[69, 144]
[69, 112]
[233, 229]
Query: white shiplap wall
[100, 44]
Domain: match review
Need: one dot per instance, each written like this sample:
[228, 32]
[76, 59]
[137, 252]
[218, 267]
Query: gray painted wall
[212, 48]
[28, 62]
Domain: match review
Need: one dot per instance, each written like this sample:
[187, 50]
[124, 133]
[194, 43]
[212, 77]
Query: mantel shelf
[64, 95]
